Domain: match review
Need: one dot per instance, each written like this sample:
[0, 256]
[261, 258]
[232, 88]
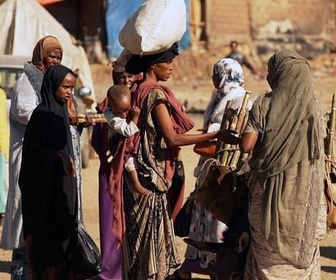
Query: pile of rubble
[196, 67]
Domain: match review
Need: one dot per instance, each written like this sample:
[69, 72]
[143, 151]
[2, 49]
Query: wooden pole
[330, 149]
[242, 117]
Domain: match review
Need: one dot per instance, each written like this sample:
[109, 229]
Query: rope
[226, 150]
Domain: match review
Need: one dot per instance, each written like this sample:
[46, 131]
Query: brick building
[308, 26]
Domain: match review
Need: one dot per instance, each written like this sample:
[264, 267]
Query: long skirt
[149, 249]
[262, 261]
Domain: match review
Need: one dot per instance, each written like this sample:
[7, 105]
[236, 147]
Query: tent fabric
[24, 22]
[116, 16]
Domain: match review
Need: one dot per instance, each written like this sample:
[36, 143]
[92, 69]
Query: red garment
[181, 122]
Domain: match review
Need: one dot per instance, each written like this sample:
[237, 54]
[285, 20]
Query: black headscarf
[49, 195]
[140, 63]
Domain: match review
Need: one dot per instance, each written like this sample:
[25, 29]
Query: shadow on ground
[329, 269]
[5, 266]
[328, 252]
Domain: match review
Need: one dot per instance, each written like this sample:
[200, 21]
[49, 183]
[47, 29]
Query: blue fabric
[116, 16]
[185, 42]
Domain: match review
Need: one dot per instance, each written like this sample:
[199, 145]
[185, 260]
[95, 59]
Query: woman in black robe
[47, 178]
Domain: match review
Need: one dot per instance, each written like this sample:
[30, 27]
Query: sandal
[177, 276]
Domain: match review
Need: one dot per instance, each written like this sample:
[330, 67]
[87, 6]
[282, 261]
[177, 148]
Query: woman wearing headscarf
[228, 81]
[287, 211]
[47, 178]
[143, 223]
[24, 99]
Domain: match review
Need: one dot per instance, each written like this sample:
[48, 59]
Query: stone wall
[308, 26]
[307, 16]
[227, 20]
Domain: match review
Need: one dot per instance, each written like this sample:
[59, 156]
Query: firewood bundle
[235, 121]
[330, 146]
[219, 189]
[96, 118]
[330, 167]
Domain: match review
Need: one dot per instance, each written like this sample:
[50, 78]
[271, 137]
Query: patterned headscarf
[44, 47]
[229, 72]
[231, 77]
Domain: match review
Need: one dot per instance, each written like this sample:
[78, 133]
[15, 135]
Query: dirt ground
[195, 93]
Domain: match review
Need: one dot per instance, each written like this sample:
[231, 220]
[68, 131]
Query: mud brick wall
[272, 24]
[308, 16]
[227, 20]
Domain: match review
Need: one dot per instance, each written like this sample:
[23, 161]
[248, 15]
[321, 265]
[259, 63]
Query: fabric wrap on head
[140, 63]
[229, 72]
[231, 77]
[51, 82]
[43, 48]
[294, 116]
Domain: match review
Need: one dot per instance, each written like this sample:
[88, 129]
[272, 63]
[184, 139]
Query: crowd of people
[25, 98]
[141, 182]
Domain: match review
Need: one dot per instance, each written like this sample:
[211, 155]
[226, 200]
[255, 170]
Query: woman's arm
[23, 100]
[248, 141]
[163, 120]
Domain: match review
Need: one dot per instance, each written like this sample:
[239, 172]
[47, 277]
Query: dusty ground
[196, 91]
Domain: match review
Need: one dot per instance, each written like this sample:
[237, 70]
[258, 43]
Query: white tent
[24, 22]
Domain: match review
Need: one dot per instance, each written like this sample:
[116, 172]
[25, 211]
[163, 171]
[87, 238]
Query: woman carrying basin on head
[143, 223]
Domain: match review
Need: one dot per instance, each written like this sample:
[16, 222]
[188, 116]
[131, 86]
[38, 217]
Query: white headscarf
[231, 76]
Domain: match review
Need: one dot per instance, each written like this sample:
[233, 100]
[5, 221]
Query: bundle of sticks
[235, 121]
[218, 187]
[94, 117]
[330, 168]
[330, 152]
